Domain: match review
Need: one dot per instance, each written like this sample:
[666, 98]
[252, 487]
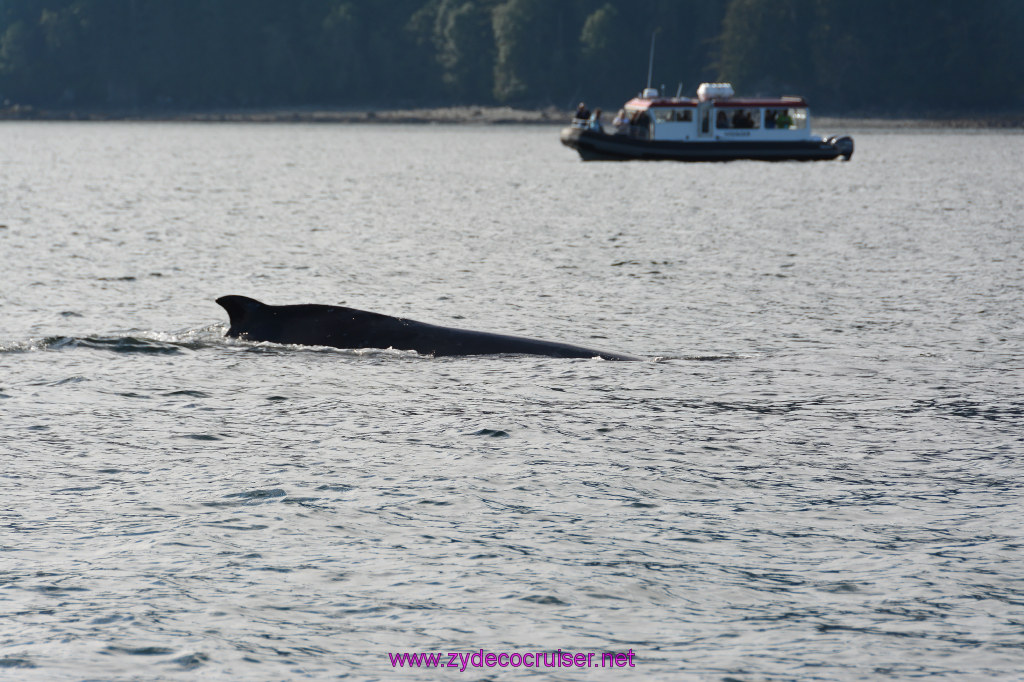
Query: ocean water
[816, 476]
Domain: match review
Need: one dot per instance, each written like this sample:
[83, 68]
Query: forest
[860, 57]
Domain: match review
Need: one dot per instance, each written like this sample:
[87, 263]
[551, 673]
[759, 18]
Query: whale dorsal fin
[239, 309]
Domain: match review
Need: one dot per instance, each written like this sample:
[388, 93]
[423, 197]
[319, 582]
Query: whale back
[324, 325]
[309, 324]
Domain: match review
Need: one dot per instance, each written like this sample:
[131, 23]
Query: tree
[532, 50]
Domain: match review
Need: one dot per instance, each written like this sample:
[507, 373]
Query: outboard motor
[843, 145]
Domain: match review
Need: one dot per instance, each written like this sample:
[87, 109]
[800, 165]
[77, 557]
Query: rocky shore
[462, 115]
[447, 115]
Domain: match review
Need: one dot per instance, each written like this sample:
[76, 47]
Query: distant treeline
[860, 56]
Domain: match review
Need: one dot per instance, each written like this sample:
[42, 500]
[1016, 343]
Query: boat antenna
[650, 62]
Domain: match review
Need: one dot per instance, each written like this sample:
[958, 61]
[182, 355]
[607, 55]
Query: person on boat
[783, 120]
[595, 121]
[621, 122]
[722, 120]
[582, 113]
[769, 118]
[641, 125]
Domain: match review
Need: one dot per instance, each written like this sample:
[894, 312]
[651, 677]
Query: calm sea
[818, 478]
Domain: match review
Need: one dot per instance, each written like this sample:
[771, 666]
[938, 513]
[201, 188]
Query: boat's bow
[571, 136]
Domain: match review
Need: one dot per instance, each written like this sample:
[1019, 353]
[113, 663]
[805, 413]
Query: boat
[714, 126]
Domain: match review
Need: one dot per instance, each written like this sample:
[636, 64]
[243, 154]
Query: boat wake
[185, 341]
[153, 343]
[213, 336]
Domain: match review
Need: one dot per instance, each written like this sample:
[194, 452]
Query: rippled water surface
[818, 478]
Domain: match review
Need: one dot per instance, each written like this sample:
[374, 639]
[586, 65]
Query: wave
[174, 343]
[158, 343]
[212, 336]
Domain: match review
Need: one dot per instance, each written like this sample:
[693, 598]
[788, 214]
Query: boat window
[738, 118]
[790, 119]
[674, 115]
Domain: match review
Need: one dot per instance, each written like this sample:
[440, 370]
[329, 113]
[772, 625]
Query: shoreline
[459, 115]
[463, 115]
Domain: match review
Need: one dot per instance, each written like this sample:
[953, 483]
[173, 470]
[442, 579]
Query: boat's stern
[842, 145]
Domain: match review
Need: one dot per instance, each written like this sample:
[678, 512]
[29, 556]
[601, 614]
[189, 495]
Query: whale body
[340, 327]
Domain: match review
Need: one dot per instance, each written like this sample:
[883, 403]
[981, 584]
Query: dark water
[819, 479]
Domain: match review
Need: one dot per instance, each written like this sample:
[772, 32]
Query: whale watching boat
[716, 126]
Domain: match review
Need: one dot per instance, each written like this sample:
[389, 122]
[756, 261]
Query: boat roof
[734, 102]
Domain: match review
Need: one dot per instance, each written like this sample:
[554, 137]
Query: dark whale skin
[325, 325]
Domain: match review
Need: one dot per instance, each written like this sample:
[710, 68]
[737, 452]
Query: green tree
[464, 41]
[532, 39]
[764, 45]
[870, 56]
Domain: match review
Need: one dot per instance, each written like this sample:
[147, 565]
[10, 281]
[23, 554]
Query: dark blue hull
[597, 146]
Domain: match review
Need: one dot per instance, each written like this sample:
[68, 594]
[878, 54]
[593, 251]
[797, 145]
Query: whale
[311, 324]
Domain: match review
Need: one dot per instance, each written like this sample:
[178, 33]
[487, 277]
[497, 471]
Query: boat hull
[597, 146]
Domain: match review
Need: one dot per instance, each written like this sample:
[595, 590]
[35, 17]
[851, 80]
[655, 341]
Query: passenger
[721, 121]
[783, 120]
[621, 122]
[742, 119]
[595, 121]
[769, 118]
[582, 113]
[642, 125]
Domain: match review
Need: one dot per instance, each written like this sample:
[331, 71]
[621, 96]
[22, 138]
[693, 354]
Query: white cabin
[717, 115]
